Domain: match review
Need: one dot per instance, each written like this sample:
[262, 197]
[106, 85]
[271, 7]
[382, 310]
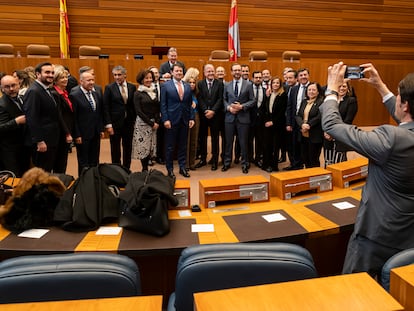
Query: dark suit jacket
[42, 116]
[115, 111]
[212, 100]
[314, 120]
[291, 107]
[386, 210]
[172, 108]
[11, 133]
[277, 116]
[257, 113]
[88, 123]
[165, 67]
[246, 98]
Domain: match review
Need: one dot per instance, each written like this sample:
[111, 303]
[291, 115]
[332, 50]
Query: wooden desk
[149, 303]
[402, 286]
[345, 292]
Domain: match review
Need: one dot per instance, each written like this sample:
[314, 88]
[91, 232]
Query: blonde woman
[191, 77]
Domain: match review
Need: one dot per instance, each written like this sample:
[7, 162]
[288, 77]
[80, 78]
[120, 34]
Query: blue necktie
[89, 96]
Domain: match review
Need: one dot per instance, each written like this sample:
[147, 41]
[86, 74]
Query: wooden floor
[199, 174]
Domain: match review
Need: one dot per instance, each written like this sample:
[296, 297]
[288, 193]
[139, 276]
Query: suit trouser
[365, 255]
[215, 128]
[125, 133]
[45, 160]
[176, 137]
[88, 153]
[294, 149]
[242, 131]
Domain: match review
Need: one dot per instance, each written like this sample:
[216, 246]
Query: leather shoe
[245, 170]
[268, 169]
[192, 168]
[171, 174]
[200, 164]
[184, 173]
[225, 168]
[214, 167]
[160, 161]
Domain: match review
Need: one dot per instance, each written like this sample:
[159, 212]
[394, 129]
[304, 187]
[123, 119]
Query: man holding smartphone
[238, 100]
[385, 220]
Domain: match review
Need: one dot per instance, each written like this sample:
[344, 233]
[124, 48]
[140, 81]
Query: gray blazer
[386, 211]
[246, 98]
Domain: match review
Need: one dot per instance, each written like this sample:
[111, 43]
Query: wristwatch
[331, 92]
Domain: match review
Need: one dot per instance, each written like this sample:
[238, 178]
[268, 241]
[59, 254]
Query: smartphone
[354, 72]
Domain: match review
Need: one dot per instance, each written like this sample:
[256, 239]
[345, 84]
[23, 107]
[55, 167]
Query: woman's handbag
[144, 203]
[6, 190]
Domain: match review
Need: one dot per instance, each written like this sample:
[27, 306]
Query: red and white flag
[233, 36]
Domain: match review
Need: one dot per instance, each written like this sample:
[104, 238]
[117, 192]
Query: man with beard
[42, 118]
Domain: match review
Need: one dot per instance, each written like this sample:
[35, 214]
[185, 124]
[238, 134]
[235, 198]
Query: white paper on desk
[108, 230]
[33, 233]
[202, 228]
[184, 213]
[343, 205]
[274, 217]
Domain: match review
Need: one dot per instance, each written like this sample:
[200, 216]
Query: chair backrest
[38, 51]
[220, 266]
[258, 56]
[68, 277]
[291, 56]
[219, 55]
[403, 258]
[89, 52]
[6, 50]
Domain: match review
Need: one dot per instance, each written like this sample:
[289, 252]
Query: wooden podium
[182, 193]
[250, 188]
[346, 172]
[285, 185]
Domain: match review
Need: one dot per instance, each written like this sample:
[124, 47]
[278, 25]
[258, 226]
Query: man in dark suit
[42, 118]
[384, 225]
[14, 155]
[295, 96]
[177, 116]
[88, 131]
[210, 100]
[257, 112]
[119, 116]
[167, 67]
[238, 99]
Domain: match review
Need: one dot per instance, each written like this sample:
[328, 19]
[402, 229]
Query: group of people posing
[250, 119]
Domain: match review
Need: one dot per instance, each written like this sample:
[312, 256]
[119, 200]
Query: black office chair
[68, 277]
[220, 266]
[403, 258]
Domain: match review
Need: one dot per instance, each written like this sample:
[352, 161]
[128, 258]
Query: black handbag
[6, 190]
[144, 203]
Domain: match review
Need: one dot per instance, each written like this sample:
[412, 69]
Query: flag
[64, 30]
[233, 35]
